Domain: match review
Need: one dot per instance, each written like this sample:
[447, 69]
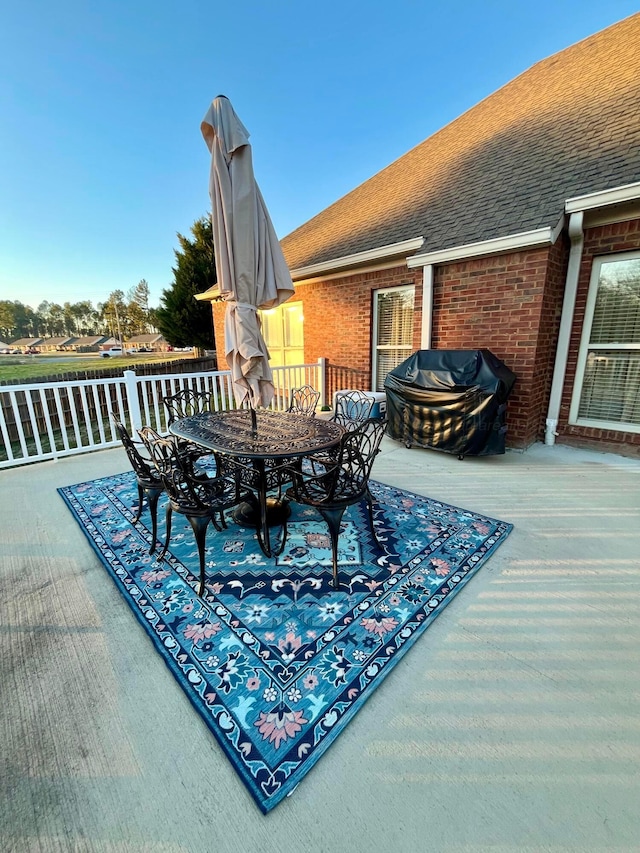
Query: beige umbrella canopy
[252, 272]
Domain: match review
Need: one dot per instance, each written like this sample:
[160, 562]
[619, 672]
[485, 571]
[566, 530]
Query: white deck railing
[48, 420]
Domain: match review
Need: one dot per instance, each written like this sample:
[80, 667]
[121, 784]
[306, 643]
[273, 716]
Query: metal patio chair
[304, 400]
[331, 489]
[199, 498]
[352, 408]
[150, 485]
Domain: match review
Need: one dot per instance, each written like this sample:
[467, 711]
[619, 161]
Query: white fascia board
[208, 295]
[617, 195]
[404, 247]
[510, 243]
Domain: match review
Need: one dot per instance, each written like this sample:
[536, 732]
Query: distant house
[515, 228]
[90, 343]
[108, 343]
[26, 343]
[155, 342]
[54, 344]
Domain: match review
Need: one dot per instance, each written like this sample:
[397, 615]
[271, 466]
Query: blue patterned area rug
[275, 660]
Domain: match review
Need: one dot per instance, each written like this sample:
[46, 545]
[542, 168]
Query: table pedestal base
[247, 514]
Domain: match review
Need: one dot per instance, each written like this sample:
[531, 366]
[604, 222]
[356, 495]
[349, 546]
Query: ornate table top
[277, 434]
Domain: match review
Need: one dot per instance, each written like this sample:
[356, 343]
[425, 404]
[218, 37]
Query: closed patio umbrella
[251, 269]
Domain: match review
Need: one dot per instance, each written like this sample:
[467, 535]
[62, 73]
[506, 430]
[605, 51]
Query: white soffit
[617, 195]
[510, 243]
[376, 254]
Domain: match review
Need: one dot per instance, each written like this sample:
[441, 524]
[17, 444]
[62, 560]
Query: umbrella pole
[254, 422]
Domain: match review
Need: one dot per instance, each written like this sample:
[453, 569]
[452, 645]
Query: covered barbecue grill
[450, 400]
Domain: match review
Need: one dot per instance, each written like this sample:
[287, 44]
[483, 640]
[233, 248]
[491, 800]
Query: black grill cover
[451, 400]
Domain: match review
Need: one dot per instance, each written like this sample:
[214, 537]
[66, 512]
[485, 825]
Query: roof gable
[565, 127]
[150, 338]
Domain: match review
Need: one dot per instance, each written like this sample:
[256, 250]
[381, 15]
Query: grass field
[16, 367]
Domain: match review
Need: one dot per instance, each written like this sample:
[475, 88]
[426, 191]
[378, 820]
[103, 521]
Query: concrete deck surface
[511, 725]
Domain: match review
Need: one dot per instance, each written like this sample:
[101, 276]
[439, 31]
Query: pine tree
[180, 317]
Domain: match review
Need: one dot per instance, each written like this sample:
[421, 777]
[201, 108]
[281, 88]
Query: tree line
[180, 318]
[128, 313]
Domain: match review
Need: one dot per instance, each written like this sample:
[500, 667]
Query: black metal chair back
[174, 469]
[331, 489]
[304, 400]
[352, 408]
[148, 480]
[187, 402]
[199, 498]
[183, 404]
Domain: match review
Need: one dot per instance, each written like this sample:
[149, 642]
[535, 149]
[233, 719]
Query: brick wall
[338, 319]
[601, 240]
[509, 304]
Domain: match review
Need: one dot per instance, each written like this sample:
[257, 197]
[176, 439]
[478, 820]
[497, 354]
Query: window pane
[272, 328]
[395, 318]
[616, 318]
[611, 387]
[387, 359]
[293, 336]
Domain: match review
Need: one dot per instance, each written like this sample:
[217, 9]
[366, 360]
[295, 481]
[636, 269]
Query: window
[392, 331]
[607, 388]
[283, 331]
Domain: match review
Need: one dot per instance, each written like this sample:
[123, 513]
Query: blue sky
[101, 156]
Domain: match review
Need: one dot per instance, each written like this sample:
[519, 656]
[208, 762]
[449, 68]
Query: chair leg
[152, 496]
[199, 525]
[166, 541]
[140, 503]
[369, 501]
[333, 517]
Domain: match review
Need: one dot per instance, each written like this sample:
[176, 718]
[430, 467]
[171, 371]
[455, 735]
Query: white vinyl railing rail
[49, 420]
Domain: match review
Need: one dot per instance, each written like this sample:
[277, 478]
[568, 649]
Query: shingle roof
[91, 340]
[146, 339]
[567, 126]
[57, 341]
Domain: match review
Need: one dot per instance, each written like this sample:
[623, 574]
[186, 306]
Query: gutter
[510, 243]
[576, 235]
[623, 200]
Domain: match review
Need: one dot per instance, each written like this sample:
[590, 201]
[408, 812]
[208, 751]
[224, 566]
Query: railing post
[322, 365]
[133, 403]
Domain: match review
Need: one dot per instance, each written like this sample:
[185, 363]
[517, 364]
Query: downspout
[427, 307]
[576, 235]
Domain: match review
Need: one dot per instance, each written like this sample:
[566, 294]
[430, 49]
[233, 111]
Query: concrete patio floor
[511, 725]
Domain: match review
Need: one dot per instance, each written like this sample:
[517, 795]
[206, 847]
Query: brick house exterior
[495, 221]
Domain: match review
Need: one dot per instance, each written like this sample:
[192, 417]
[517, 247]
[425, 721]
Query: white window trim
[585, 346]
[374, 333]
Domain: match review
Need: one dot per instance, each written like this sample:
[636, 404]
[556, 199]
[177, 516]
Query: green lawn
[16, 367]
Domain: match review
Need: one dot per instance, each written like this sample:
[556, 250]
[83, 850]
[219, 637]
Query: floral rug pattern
[275, 660]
